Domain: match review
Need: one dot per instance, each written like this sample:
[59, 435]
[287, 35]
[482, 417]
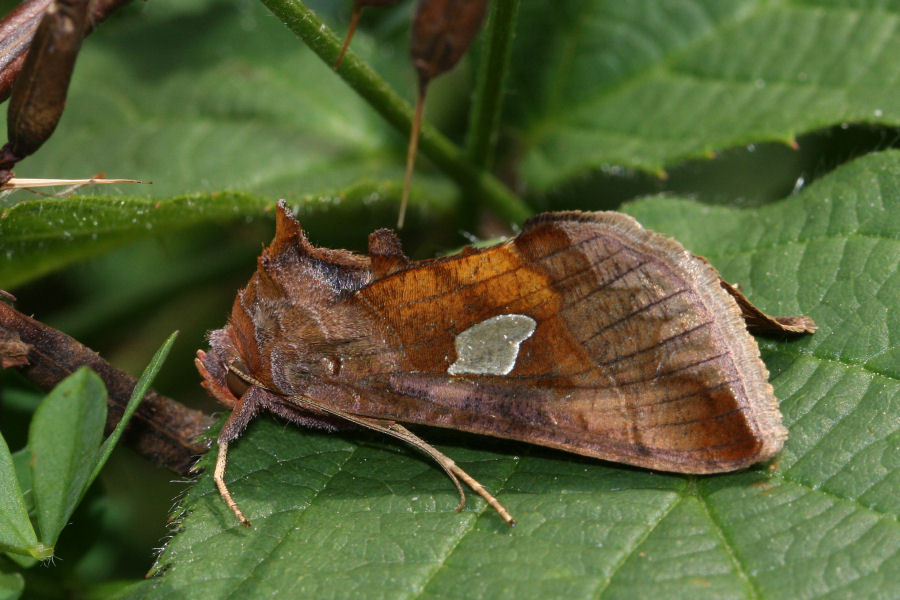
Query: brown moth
[585, 333]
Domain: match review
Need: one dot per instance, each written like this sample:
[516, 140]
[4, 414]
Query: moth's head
[214, 367]
[286, 318]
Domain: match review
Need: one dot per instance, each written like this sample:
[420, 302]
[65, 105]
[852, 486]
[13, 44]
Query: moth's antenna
[411, 152]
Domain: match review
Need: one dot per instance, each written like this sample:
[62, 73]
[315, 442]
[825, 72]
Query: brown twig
[162, 429]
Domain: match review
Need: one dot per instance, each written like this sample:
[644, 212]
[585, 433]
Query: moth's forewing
[638, 355]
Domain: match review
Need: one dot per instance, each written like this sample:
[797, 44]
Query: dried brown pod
[358, 6]
[442, 31]
[585, 333]
[39, 92]
[17, 30]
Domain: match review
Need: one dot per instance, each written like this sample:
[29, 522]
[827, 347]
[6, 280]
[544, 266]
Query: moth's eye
[236, 385]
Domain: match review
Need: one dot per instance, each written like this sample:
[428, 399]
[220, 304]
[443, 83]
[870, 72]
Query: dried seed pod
[441, 33]
[358, 5]
[16, 32]
[39, 93]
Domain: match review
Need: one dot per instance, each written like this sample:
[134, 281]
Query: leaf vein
[651, 526]
[452, 548]
[849, 364]
[302, 511]
[728, 546]
[819, 490]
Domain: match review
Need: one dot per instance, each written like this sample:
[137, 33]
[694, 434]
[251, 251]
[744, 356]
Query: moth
[585, 333]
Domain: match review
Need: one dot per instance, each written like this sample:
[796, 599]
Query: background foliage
[758, 133]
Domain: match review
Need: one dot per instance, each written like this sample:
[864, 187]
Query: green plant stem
[484, 120]
[448, 157]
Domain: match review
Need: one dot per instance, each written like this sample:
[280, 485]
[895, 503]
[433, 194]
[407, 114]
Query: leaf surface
[11, 585]
[221, 128]
[595, 85]
[63, 439]
[15, 527]
[40, 236]
[645, 85]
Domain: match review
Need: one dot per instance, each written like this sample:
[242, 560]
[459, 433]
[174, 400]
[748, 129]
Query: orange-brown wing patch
[638, 355]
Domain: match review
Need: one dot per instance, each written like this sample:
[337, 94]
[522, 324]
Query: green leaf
[43, 235]
[20, 459]
[223, 130]
[12, 585]
[64, 438]
[263, 116]
[645, 85]
[137, 395]
[593, 85]
[16, 531]
[354, 515]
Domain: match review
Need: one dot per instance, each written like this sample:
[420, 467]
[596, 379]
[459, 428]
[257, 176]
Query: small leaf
[22, 463]
[12, 585]
[63, 439]
[70, 419]
[140, 389]
[16, 531]
[21, 459]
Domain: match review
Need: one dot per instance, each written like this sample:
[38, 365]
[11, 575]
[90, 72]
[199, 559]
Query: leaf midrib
[473, 522]
[848, 364]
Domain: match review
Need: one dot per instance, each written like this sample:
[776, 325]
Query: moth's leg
[219, 478]
[384, 426]
[246, 408]
[401, 433]
[451, 468]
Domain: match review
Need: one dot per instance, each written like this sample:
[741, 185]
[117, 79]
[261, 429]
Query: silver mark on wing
[491, 347]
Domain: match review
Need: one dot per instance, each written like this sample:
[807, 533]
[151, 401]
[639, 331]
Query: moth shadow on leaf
[283, 469]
